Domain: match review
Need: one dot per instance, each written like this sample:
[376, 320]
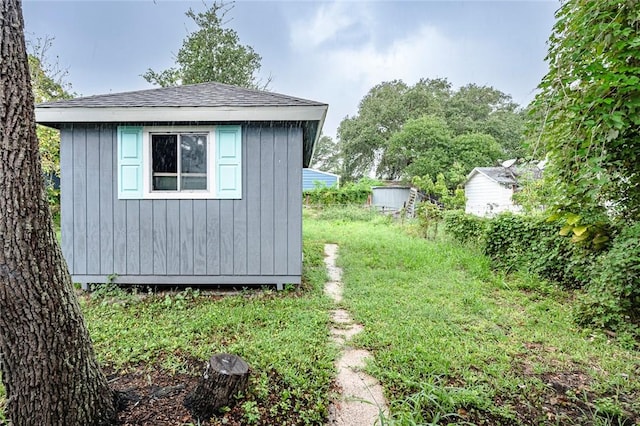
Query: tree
[590, 102]
[475, 150]
[48, 84]
[365, 138]
[211, 53]
[326, 156]
[49, 369]
[483, 109]
[422, 147]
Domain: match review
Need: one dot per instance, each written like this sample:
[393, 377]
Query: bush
[463, 227]
[612, 297]
[529, 243]
[349, 194]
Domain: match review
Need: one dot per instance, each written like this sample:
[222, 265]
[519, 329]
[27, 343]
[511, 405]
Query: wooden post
[224, 377]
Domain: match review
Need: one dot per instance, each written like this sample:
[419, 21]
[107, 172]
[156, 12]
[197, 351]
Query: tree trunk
[226, 375]
[48, 365]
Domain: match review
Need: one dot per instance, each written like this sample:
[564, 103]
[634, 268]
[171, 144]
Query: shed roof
[193, 95]
[204, 102]
[501, 175]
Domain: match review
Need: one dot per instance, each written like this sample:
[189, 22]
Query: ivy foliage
[211, 53]
[589, 103]
[465, 228]
[612, 297]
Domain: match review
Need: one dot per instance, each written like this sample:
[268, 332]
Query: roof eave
[57, 115]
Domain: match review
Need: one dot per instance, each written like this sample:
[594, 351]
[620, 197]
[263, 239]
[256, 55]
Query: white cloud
[424, 53]
[329, 22]
[343, 74]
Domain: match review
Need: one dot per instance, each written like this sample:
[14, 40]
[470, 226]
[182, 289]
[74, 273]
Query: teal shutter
[228, 162]
[129, 162]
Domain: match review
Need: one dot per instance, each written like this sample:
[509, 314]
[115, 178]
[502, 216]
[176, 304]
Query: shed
[390, 198]
[489, 191]
[311, 176]
[195, 184]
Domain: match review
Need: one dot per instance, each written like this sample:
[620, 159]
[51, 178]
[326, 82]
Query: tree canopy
[589, 105]
[403, 131]
[211, 53]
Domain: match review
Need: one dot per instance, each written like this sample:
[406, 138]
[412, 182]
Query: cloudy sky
[329, 51]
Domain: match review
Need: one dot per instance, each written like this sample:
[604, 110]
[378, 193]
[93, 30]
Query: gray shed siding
[254, 240]
[390, 198]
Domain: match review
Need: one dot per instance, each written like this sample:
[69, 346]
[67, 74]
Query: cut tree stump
[225, 376]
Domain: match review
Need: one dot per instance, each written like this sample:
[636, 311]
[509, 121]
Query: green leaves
[403, 131]
[590, 101]
[211, 53]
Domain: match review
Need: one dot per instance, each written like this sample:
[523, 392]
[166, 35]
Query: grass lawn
[455, 343]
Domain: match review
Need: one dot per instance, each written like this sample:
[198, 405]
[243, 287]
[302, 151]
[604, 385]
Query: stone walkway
[362, 400]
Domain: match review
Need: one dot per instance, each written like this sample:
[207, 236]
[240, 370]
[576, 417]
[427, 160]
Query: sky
[327, 51]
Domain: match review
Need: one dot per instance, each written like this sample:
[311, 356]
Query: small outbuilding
[311, 178]
[195, 184]
[391, 198]
[489, 191]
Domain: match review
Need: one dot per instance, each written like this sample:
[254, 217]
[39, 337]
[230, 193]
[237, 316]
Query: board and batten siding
[253, 240]
[486, 197]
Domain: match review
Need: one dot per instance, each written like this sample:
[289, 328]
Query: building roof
[204, 102]
[509, 176]
[501, 175]
[193, 95]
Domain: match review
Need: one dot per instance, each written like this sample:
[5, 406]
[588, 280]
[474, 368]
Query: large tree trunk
[49, 368]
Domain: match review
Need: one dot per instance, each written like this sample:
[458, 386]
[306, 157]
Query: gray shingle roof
[501, 175]
[194, 95]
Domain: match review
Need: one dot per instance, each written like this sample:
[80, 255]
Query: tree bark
[226, 375]
[49, 369]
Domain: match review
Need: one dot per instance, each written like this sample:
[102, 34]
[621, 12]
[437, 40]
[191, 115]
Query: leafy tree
[590, 103]
[48, 82]
[422, 147]
[49, 369]
[475, 150]
[365, 139]
[211, 53]
[326, 156]
[483, 109]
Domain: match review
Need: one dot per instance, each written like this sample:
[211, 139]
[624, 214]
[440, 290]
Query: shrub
[612, 297]
[349, 194]
[529, 243]
[463, 227]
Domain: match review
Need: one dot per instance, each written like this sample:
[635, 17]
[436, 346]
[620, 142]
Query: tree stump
[224, 377]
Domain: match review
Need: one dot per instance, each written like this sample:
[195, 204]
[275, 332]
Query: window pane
[193, 160]
[165, 153]
[164, 157]
[190, 183]
[193, 149]
[165, 183]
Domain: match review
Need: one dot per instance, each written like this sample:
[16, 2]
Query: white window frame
[147, 171]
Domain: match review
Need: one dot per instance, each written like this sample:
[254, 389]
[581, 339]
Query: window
[179, 162]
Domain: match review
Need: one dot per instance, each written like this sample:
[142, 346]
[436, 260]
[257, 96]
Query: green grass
[282, 335]
[455, 342]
